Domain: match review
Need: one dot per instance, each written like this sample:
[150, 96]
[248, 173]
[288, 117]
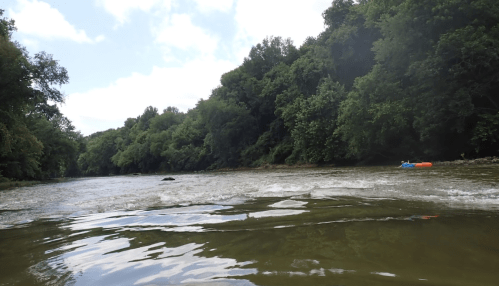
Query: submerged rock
[168, 179]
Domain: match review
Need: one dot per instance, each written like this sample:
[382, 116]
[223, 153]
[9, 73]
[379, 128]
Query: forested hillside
[386, 80]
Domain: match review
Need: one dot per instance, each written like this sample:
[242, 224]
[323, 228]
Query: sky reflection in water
[115, 259]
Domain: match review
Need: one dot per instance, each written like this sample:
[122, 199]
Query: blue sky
[125, 55]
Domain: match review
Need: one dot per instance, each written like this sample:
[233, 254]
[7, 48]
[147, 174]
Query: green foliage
[374, 119]
[21, 152]
[433, 81]
[265, 56]
[314, 133]
[36, 141]
[137, 149]
[60, 144]
[486, 133]
[231, 128]
[96, 161]
[187, 150]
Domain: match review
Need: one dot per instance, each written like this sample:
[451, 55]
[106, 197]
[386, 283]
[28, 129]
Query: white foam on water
[167, 229]
[276, 213]
[484, 193]
[476, 198]
[340, 271]
[288, 204]
[348, 183]
[296, 273]
[335, 192]
[282, 190]
[379, 199]
[301, 263]
[286, 273]
[386, 274]
[319, 272]
[284, 226]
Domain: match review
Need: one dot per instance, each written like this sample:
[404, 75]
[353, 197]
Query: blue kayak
[408, 165]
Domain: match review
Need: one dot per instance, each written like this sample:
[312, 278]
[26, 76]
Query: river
[314, 226]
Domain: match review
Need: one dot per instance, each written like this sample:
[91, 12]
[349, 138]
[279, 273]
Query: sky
[125, 55]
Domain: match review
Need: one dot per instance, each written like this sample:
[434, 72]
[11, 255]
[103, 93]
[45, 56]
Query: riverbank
[274, 167]
[464, 162]
[17, 184]
[467, 162]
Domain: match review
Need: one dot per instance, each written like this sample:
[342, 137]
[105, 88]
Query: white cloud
[128, 97]
[99, 38]
[121, 9]
[38, 19]
[31, 44]
[214, 5]
[179, 32]
[297, 20]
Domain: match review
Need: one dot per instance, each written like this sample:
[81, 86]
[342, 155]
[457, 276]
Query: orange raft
[424, 164]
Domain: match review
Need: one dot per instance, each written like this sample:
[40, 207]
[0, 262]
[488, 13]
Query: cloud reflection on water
[116, 258]
[172, 217]
[113, 258]
[114, 261]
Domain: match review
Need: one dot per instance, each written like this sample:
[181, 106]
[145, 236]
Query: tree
[231, 129]
[315, 139]
[60, 143]
[266, 55]
[96, 161]
[26, 87]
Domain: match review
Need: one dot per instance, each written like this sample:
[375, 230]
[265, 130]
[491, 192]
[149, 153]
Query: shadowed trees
[36, 140]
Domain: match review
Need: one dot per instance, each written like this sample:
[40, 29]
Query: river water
[317, 226]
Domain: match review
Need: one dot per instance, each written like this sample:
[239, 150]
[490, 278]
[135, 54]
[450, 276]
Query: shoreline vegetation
[385, 80]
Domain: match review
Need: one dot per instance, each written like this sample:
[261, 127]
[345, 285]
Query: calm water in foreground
[334, 226]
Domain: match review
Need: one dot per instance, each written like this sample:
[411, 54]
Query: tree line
[385, 80]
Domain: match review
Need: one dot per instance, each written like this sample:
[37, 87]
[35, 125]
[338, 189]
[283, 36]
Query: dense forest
[386, 80]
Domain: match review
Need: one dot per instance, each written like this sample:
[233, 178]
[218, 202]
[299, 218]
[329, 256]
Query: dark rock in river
[168, 179]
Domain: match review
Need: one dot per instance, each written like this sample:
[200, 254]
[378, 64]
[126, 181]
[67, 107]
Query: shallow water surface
[321, 226]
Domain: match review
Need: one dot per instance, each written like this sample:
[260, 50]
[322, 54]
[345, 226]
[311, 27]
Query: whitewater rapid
[460, 187]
